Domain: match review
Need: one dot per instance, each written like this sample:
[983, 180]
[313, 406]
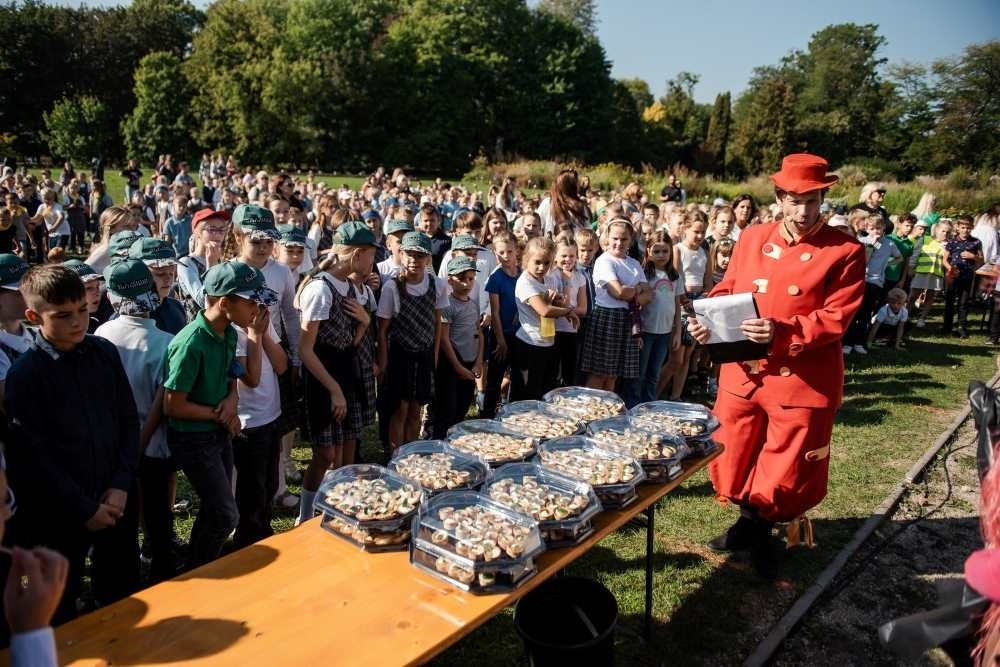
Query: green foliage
[581, 14]
[712, 157]
[765, 123]
[79, 128]
[159, 122]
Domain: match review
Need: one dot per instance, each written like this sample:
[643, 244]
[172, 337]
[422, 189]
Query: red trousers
[777, 457]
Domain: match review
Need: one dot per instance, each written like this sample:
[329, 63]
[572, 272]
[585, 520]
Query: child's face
[675, 226]
[496, 225]
[428, 222]
[363, 260]
[896, 304]
[93, 295]
[531, 228]
[279, 208]
[537, 264]
[240, 311]
[566, 258]
[64, 325]
[963, 229]
[874, 230]
[722, 261]
[164, 277]
[904, 228]
[256, 253]
[619, 241]
[180, 205]
[723, 225]
[12, 304]
[291, 256]
[461, 283]
[413, 263]
[941, 232]
[393, 242]
[660, 253]
[471, 253]
[506, 255]
[694, 234]
[585, 251]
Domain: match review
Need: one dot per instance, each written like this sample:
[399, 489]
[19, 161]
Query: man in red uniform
[777, 412]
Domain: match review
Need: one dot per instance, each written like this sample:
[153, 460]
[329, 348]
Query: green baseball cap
[292, 235]
[155, 253]
[239, 279]
[464, 242]
[12, 269]
[85, 271]
[417, 242]
[461, 265]
[256, 221]
[129, 278]
[354, 233]
[120, 242]
[395, 226]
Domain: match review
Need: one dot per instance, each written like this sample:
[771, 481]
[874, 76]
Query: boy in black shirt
[74, 445]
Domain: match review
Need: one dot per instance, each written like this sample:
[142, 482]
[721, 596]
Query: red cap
[206, 214]
[982, 573]
[803, 172]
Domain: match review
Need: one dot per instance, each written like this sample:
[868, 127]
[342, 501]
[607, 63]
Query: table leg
[648, 629]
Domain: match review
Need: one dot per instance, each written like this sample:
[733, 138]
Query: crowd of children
[216, 321]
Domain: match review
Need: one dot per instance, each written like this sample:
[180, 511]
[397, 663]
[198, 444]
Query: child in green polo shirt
[200, 399]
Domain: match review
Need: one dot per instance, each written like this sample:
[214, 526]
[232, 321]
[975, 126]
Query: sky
[723, 40]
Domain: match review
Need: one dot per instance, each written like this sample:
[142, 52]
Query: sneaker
[847, 349]
[921, 323]
[287, 500]
[860, 349]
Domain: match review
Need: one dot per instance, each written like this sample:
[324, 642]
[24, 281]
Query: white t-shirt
[571, 288]
[627, 271]
[260, 405]
[142, 348]
[889, 318]
[50, 215]
[693, 265]
[387, 269]
[388, 305]
[658, 314]
[316, 300]
[531, 322]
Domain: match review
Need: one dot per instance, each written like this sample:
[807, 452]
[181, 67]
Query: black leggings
[566, 344]
[535, 371]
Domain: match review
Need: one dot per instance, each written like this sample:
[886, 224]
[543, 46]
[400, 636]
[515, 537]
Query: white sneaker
[921, 323]
[860, 349]
[847, 349]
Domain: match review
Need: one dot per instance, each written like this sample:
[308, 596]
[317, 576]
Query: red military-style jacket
[811, 289]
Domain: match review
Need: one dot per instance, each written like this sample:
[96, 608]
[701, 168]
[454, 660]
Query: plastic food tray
[475, 543]
[688, 420]
[563, 506]
[491, 441]
[582, 458]
[659, 454]
[586, 404]
[351, 500]
[438, 467]
[539, 420]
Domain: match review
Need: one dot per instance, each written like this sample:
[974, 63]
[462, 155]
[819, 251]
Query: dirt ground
[897, 571]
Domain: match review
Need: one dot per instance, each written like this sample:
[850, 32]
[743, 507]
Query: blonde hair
[112, 217]
[926, 205]
[870, 187]
[539, 244]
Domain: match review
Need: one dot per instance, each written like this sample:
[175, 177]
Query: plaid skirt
[608, 345]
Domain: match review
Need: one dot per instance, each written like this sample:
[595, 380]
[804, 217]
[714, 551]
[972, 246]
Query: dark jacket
[74, 431]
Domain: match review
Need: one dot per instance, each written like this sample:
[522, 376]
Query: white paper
[722, 316]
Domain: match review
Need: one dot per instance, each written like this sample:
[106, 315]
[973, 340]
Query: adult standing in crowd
[870, 200]
[777, 412]
[744, 210]
[672, 191]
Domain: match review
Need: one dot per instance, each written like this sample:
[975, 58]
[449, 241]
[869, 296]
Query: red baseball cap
[207, 214]
[803, 172]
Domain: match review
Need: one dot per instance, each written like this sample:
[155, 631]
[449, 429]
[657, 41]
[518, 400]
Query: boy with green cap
[200, 398]
[160, 259]
[142, 347]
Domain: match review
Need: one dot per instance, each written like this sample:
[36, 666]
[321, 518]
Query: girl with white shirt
[610, 348]
[573, 286]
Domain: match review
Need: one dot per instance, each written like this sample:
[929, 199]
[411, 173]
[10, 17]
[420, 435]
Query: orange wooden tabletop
[307, 597]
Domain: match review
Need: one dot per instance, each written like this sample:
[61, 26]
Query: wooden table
[305, 597]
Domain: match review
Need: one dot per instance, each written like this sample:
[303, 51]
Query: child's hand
[675, 340]
[213, 253]
[500, 353]
[225, 412]
[357, 312]
[574, 319]
[105, 517]
[338, 405]
[258, 325]
[374, 281]
[477, 370]
[35, 584]
[115, 498]
[464, 373]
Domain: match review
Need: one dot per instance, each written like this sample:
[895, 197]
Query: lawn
[711, 610]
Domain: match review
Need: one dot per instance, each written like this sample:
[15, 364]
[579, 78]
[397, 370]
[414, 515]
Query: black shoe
[962, 333]
[765, 551]
[739, 537]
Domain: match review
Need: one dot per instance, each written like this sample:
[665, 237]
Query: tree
[639, 90]
[713, 150]
[765, 125]
[581, 14]
[160, 121]
[79, 128]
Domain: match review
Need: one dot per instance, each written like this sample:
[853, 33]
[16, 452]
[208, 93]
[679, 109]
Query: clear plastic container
[562, 506]
[491, 441]
[688, 420]
[586, 404]
[613, 476]
[369, 505]
[539, 420]
[659, 454]
[475, 543]
[438, 467]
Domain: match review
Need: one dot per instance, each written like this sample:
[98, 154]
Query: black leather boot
[765, 551]
[739, 536]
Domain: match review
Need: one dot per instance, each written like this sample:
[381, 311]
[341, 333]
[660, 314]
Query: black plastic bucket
[568, 619]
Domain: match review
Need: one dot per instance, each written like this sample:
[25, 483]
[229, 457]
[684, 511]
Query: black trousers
[535, 371]
[956, 297]
[154, 483]
[255, 454]
[566, 344]
[495, 370]
[872, 301]
[452, 397]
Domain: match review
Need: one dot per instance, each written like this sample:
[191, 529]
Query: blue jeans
[655, 348]
[207, 461]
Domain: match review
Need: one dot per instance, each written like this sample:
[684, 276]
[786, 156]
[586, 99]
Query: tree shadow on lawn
[702, 489]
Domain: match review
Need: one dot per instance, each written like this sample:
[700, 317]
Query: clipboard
[722, 316]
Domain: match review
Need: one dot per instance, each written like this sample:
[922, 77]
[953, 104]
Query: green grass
[710, 610]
